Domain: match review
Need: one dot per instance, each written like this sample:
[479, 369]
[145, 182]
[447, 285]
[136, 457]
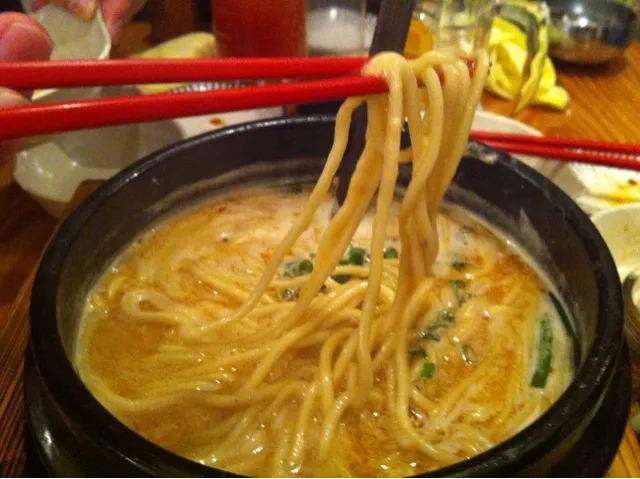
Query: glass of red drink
[260, 28]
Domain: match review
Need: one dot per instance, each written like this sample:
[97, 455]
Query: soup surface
[486, 354]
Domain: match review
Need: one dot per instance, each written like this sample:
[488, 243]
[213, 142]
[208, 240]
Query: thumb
[23, 39]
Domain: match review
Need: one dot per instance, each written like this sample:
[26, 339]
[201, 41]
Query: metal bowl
[589, 32]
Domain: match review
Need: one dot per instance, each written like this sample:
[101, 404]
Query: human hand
[116, 13]
[21, 39]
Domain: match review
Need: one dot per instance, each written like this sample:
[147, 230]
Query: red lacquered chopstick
[593, 157]
[84, 73]
[574, 143]
[79, 115]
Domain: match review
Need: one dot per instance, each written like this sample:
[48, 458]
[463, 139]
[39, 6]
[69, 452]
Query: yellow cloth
[508, 52]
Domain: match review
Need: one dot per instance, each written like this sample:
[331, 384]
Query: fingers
[85, 9]
[23, 39]
[117, 13]
[9, 98]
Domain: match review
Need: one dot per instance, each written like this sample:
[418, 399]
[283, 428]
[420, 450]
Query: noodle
[393, 365]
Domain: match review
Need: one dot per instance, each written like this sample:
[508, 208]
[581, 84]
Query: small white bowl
[50, 168]
[73, 39]
[620, 228]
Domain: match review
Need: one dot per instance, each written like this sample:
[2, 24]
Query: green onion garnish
[390, 253]
[428, 370]
[358, 256]
[341, 278]
[459, 265]
[446, 315]
[417, 352]
[545, 344]
[305, 267]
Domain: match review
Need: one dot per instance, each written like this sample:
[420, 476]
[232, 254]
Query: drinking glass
[338, 27]
[260, 28]
[463, 25]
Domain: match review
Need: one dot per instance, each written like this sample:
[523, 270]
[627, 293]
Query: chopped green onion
[342, 278]
[305, 267]
[446, 315]
[358, 256]
[390, 253]
[293, 269]
[417, 352]
[459, 265]
[430, 334]
[463, 298]
[458, 284]
[428, 370]
[545, 343]
[443, 320]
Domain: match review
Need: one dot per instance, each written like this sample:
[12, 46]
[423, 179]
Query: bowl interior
[590, 31]
[511, 196]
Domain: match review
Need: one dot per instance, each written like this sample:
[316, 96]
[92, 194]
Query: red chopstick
[530, 140]
[84, 73]
[79, 115]
[597, 157]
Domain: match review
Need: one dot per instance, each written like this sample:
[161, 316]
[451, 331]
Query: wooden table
[604, 106]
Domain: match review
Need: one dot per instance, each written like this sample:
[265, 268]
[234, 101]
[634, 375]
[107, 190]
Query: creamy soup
[481, 353]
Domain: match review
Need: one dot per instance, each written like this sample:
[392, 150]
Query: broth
[486, 354]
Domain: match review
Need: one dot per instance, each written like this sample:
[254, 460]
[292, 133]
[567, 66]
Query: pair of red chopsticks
[619, 155]
[331, 79]
[340, 78]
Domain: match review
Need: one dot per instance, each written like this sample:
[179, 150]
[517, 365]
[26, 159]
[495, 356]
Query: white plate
[556, 171]
[606, 187]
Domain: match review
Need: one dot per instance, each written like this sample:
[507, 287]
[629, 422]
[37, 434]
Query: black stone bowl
[74, 435]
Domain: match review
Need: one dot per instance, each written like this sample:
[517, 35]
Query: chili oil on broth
[149, 354]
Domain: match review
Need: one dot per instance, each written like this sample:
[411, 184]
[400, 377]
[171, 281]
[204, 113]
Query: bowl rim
[559, 6]
[614, 211]
[565, 415]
